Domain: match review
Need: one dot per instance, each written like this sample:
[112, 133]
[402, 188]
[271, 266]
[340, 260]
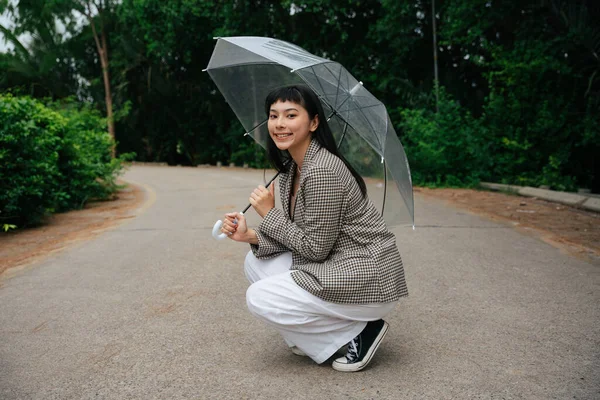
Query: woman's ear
[314, 124]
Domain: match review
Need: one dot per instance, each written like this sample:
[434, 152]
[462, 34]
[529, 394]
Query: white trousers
[317, 327]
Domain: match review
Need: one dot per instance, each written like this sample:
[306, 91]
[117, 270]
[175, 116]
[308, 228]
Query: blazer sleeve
[324, 202]
[267, 247]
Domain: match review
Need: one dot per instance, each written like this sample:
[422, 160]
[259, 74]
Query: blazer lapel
[286, 188]
[287, 178]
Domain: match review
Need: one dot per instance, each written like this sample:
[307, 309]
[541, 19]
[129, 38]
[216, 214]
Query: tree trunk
[107, 92]
[102, 48]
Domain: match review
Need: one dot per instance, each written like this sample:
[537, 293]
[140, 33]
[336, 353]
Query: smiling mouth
[282, 135]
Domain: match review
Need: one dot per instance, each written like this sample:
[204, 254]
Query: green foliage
[521, 80]
[29, 141]
[8, 227]
[87, 170]
[445, 148]
[51, 161]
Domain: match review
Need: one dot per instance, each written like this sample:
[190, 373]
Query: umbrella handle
[216, 231]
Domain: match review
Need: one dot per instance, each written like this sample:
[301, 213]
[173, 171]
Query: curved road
[155, 309]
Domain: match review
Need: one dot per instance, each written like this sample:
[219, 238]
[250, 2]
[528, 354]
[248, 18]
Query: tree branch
[15, 41]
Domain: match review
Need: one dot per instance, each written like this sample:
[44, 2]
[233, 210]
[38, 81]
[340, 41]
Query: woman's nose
[280, 123]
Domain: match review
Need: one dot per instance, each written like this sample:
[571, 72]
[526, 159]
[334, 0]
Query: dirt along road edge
[21, 248]
[573, 230]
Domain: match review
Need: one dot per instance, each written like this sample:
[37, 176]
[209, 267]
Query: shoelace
[352, 353]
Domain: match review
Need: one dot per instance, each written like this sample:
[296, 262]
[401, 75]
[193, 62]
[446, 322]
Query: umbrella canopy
[246, 69]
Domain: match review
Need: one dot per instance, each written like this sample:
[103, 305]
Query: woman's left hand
[263, 199]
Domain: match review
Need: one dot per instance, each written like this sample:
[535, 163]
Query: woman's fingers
[227, 229]
[262, 199]
[260, 193]
[229, 224]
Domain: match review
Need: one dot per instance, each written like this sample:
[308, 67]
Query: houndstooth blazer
[342, 251]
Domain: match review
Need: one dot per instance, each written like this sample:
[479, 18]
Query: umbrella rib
[384, 186]
[256, 127]
[325, 65]
[352, 109]
[363, 108]
[372, 127]
[343, 135]
[318, 80]
[337, 92]
[336, 80]
[208, 69]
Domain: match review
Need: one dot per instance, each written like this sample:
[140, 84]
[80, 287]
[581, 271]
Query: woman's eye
[291, 115]
[272, 116]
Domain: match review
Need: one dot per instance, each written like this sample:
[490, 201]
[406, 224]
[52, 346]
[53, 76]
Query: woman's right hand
[234, 226]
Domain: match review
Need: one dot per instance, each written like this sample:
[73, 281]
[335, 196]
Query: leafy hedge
[445, 148]
[513, 141]
[53, 158]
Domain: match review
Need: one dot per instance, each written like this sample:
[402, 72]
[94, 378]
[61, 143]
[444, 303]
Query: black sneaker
[362, 348]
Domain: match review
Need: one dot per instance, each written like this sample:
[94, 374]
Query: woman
[324, 268]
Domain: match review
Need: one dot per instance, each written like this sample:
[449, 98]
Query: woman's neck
[298, 154]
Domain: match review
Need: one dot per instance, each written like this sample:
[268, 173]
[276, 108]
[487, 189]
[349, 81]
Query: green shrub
[52, 160]
[516, 141]
[87, 170]
[251, 153]
[29, 141]
[444, 148]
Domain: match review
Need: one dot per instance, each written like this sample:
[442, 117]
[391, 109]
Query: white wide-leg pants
[317, 327]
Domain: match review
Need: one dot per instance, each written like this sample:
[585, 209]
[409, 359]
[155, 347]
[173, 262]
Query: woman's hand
[234, 226]
[263, 199]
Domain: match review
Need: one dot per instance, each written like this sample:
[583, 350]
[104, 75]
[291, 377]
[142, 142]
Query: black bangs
[287, 93]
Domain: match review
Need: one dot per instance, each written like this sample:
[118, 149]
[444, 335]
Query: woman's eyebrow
[288, 109]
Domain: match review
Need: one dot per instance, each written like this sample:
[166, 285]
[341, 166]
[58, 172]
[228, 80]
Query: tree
[39, 69]
[97, 10]
[30, 15]
[102, 7]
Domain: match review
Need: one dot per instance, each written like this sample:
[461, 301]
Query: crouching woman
[324, 268]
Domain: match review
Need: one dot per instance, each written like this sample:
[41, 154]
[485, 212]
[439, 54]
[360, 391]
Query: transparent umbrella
[246, 69]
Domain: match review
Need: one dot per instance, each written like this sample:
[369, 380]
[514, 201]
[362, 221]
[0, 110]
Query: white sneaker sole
[343, 366]
[298, 352]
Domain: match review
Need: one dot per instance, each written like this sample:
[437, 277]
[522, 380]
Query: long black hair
[303, 95]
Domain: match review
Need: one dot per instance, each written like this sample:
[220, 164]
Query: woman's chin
[282, 145]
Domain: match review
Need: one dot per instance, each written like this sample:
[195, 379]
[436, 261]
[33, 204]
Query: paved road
[155, 309]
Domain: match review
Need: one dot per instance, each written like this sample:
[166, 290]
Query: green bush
[29, 141]
[87, 170]
[444, 148]
[516, 140]
[51, 161]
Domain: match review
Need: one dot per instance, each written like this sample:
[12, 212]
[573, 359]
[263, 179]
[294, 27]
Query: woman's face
[290, 126]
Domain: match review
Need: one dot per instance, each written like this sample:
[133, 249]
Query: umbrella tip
[356, 87]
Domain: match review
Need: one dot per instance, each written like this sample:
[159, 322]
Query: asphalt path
[155, 309]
